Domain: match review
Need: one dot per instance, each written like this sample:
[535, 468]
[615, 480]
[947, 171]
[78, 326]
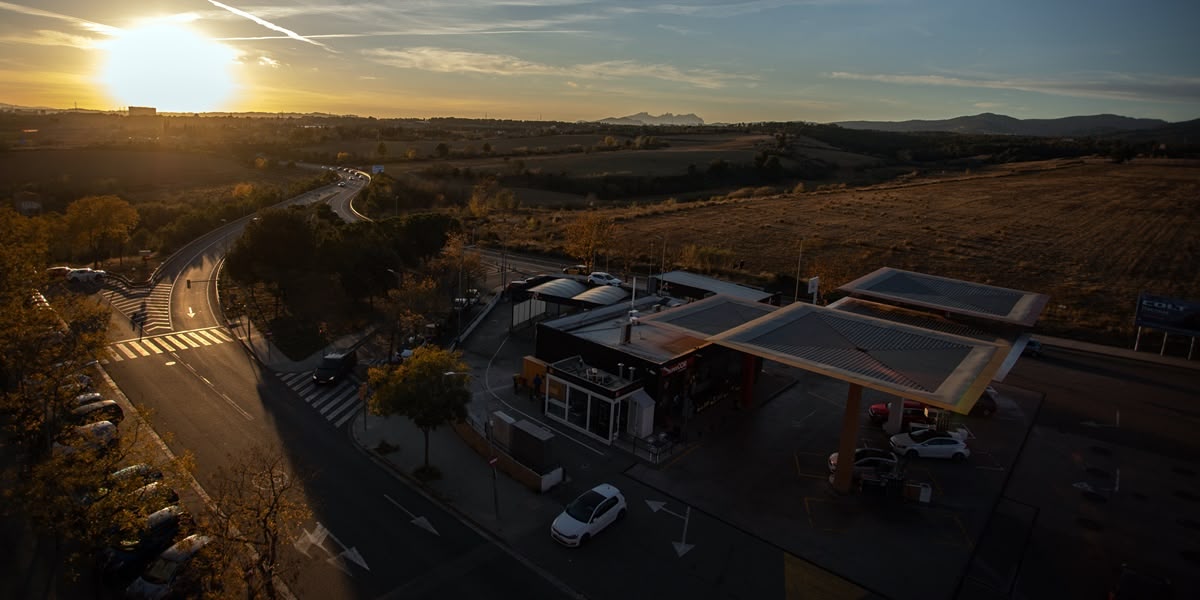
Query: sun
[169, 67]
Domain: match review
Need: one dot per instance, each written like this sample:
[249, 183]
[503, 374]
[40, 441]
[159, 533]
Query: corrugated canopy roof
[1013, 340]
[715, 286]
[943, 370]
[603, 295]
[559, 288]
[1001, 305]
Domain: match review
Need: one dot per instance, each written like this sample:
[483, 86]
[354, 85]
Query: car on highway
[589, 514]
[575, 270]
[334, 366]
[867, 461]
[168, 573]
[85, 275]
[931, 443]
[602, 278]
[1032, 348]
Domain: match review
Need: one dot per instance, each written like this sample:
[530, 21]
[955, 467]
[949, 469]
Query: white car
[602, 278]
[867, 460]
[931, 443]
[158, 579]
[85, 275]
[587, 515]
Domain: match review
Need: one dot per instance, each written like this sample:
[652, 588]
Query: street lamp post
[492, 460]
[799, 259]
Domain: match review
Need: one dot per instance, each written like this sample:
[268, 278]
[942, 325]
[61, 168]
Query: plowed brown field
[1091, 234]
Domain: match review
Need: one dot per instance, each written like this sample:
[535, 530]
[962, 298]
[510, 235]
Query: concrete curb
[1115, 352]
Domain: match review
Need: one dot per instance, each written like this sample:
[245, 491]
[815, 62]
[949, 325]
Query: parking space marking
[937, 487]
[803, 473]
[681, 455]
[811, 502]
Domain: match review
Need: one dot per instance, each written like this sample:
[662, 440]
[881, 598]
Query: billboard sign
[376, 169]
[1171, 315]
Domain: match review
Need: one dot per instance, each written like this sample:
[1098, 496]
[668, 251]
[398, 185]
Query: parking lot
[767, 474]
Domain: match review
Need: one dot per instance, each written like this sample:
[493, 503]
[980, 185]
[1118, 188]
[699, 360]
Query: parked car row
[920, 414]
[148, 557]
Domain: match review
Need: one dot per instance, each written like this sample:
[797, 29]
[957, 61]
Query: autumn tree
[588, 235]
[381, 149]
[488, 195]
[459, 264]
[260, 504]
[94, 221]
[430, 388]
[442, 150]
[411, 305]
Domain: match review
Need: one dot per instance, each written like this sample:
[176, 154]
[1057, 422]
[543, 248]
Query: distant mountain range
[643, 118]
[990, 123]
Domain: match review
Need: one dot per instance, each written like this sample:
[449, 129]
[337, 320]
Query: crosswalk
[336, 402]
[166, 343]
[148, 306]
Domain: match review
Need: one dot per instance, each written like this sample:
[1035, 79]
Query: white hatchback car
[85, 275]
[931, 443]
[587, 515]
[602, 278]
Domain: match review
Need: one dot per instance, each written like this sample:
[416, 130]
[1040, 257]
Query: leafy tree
[261, 506]
[93, 221]
[427, 388]
[381, 149]
[460, 265]
[411, 305]
[276, 250]
[588, 235]
[487, 148]
[442, 150]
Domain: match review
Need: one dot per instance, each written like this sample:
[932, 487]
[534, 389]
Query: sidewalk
[468, 485]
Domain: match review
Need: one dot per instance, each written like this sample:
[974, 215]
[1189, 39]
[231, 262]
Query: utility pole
[799, 259]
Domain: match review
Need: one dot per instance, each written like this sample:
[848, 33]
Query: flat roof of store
[942, 294]
[605, 326]
[603, 295]
[710, 316]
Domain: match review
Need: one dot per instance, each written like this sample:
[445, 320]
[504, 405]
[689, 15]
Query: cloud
[441, 60]
[269, 25]
[989, 105]
[267, 61]
[47, 37]
[81, 23]
[572, 84]
[1108, 86]
[676, 29]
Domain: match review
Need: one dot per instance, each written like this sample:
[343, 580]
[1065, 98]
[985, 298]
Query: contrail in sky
[268, 24]
[35, 12]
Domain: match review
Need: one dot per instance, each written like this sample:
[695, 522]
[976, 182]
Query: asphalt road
[215, 401]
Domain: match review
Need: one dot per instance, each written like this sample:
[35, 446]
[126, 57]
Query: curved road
[209, 397]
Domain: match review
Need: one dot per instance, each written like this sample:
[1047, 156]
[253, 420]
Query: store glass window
[600, 418]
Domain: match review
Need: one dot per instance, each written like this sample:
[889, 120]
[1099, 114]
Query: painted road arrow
[421, 522]
[191, 313]
[681, 547]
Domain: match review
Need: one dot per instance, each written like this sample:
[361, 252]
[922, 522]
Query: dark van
[334, 367]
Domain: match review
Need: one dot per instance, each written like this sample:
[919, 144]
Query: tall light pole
[799, 259]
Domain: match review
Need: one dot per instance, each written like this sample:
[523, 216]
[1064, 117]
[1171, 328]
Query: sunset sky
[725, 60]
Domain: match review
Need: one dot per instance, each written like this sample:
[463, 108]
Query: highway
[206, 395]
